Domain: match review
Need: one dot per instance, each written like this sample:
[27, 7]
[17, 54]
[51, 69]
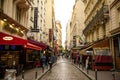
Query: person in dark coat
[43, 61]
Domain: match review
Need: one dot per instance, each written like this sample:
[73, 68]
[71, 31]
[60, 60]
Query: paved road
[64, 71]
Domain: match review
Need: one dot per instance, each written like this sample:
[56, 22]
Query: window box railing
[101, 16]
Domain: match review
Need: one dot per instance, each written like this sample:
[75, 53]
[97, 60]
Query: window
[97, 34]
[101, 51]
[119, 13]
[1, 4]
[31, 0]
[41, 2]
[18, 14]
[96, 0]
[76, 0]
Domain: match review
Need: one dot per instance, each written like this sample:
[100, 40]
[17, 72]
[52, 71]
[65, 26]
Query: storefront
[11, 49]
[32, 52]
[40, 44]
[12, 41]
[99, 53]
[115, 49]
[86, 52]
[103, 57]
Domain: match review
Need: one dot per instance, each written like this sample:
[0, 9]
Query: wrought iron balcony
[101, 16]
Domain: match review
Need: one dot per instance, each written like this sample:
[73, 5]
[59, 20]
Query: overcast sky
[63, 12]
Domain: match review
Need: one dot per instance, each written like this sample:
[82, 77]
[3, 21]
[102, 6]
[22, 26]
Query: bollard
[113, 74]
[95, 74]
[23, 75]
[87, 71]
[36, 73]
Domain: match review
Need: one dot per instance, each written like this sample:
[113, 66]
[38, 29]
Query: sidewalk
[31, 74]
[101, 75]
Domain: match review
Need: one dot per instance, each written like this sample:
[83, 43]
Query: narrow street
[64, 70]
[79, 39]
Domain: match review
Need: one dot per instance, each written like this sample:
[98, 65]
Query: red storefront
[12, 49]
[13, 44]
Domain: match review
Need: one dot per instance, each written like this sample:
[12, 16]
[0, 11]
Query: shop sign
[35, 28]
[35, 17]
[8, 38]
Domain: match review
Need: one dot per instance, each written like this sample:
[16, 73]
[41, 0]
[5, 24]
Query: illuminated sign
[8, 38]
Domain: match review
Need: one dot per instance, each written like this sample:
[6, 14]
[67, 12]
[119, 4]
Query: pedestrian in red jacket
[38, 64]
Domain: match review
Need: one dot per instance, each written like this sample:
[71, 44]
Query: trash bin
[10, 74]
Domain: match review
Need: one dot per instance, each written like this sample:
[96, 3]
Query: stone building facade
[97, 32]
[77, 24]
[115, 31]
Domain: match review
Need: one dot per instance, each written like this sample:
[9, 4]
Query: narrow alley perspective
[64, 70]
[59, 39]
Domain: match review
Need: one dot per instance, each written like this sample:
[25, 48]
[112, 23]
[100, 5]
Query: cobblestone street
[64, 71]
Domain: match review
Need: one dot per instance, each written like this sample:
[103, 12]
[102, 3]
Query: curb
[45, 72]
[90, 77]
[42, 75]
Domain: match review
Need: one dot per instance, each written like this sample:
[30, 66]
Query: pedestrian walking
[83, 61]
[43, 61]
[47, 54]
[87, 63]
[50, 63]
[38, 64]
[78, 60]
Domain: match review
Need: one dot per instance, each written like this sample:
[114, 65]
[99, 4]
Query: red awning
[6, 39]
[32, 46]
[40, 44]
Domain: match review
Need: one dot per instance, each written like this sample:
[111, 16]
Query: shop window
[7, 58]
[101, 51]
[33, 56]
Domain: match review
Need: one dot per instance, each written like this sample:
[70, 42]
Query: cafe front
[99, 54]
[12, 41]
[11, 49]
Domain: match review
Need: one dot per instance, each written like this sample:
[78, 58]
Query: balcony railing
[101, 16]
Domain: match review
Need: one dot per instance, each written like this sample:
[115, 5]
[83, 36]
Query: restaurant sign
[8, 38]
